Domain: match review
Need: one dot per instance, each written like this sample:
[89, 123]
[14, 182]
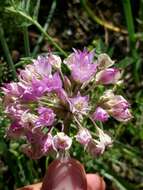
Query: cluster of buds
[45, 101]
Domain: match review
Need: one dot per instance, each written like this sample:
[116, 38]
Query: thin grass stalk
[99, 21]
[26, 6]
[7, 53]
[36, 10]
[40, 28]
[26, 41]
[129, 21]
[46, 26]
[132, 39]
[141, 10]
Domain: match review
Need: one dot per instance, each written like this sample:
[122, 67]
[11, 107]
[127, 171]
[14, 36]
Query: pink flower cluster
[44, 97]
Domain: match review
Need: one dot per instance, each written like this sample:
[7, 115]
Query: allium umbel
[46, 103]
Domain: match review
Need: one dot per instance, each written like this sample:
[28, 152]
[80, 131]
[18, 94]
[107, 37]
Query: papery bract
[28, 74]
[55, 61]
[104, 61]
[104, 138]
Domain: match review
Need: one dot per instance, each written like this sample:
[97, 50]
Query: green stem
[129, 21]
[27, 5]
[141, 12]
[36, 11]
[49, 38]
[7, 52]
[132, 39]
[26, 41]
[40, 39]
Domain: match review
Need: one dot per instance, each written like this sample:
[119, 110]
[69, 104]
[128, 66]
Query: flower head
[82, 65]
[48, 95]
[108, 76]
[15, 110]
[46, 117]
[100, 115]
[39, 144]
[117, 106]
[12, 89]
[42, 66]
[15, 130]
[83, 136]
[79, 104]
[97, 147]
[61, 141]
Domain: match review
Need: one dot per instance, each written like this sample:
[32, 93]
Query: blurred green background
[114, 27]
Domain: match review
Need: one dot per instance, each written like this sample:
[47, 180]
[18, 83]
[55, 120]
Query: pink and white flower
[15, 130]
[83, 136]
[39, 144]
[46, 117]
[45, 97]
[97, 147]
[82, 65]
[116, 106]
[79, 104]
[100, 115]
[108, 76]
[61, 141]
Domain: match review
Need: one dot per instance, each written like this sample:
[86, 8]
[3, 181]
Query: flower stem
[78, 123]
[89, 117]
[49, 38]
[7, 52]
